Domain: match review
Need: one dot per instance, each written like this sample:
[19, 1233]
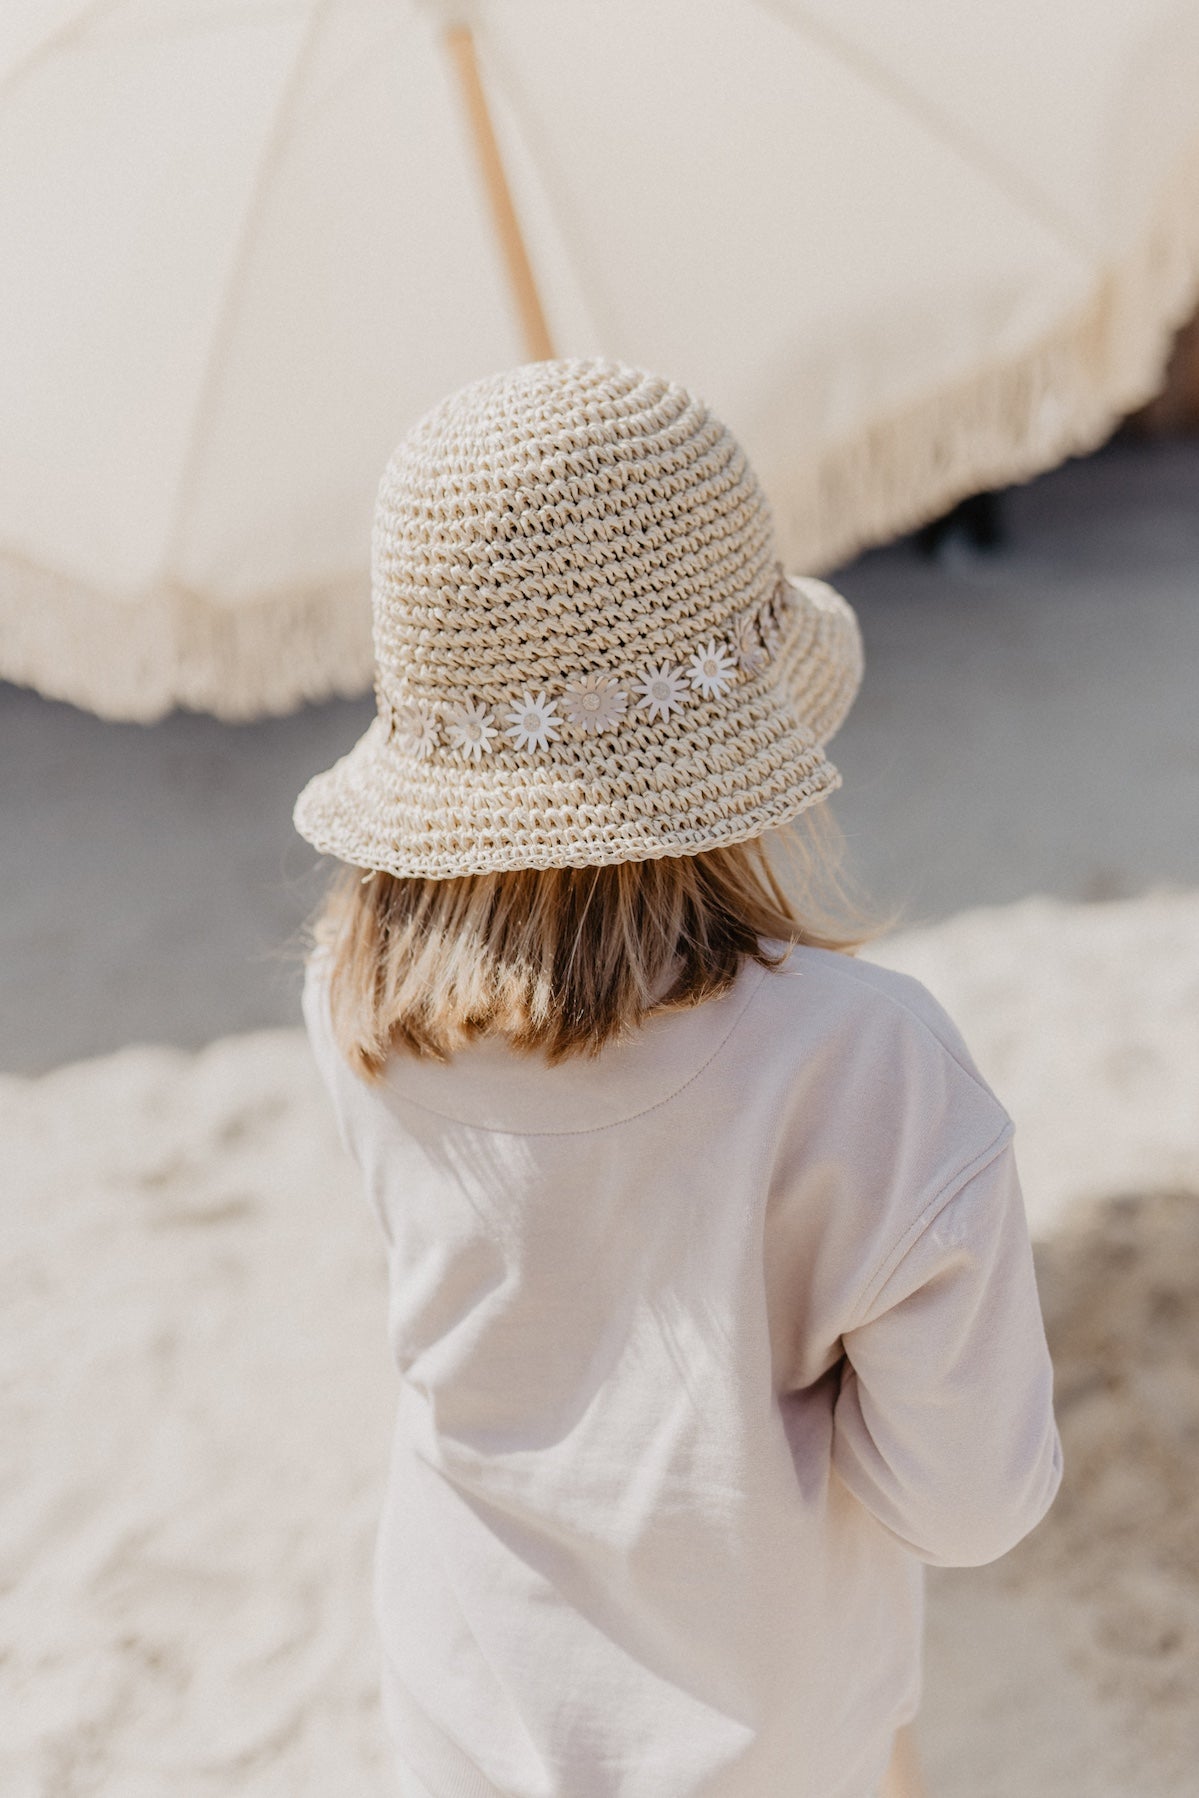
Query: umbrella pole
[461, 46]
[902, 1778]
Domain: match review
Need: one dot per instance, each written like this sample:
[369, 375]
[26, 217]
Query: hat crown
[585, 649]
[564, 520]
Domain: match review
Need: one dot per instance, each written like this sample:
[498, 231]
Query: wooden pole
[903, 1777]
[461, 46]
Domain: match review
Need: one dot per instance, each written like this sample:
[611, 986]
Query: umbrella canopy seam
[973, 151]
[54, 41]
[202, 405]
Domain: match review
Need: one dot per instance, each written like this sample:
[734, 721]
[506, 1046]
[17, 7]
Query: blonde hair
[561, 961]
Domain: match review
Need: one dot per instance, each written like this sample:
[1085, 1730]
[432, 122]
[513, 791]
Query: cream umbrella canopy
[905, 251]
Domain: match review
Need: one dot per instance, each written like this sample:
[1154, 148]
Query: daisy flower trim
[751, 653]
[662, 691]
[594, 703]
[773, 621]
[533, 724]
[471, 729]
[711, 670]
[417, 728]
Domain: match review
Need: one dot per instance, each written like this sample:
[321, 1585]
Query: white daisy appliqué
[711, 670]
[772, 635]
[534, 722]
[662, 690]
[594, 702]
[471, 729]
[773, 620]
[751, 654]
[416, 726]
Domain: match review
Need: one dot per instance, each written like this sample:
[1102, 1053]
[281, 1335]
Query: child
[711, 1289]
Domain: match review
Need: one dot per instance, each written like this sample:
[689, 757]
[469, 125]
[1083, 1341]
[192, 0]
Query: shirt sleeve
[944, 1425]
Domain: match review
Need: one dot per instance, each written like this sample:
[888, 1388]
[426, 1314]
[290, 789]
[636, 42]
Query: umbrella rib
[92, 12]
[969, 148]
[57, 40]
[202, 409]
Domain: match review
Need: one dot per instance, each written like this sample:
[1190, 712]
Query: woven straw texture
[585, 649]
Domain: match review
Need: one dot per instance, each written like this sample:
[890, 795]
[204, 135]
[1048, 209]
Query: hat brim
[821, 659]
[748, 763]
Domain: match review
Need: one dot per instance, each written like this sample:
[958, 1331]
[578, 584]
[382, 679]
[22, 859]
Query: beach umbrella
[905, 251]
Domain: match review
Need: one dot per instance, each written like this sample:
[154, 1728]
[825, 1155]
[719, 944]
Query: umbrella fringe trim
[1014, 419]
[138, 660]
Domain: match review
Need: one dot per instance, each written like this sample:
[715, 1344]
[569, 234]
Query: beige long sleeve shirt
[705, 1346]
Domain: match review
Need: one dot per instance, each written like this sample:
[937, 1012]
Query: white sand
[197, 1403]
[1085, 1019]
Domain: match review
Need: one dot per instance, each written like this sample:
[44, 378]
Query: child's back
[706, 1345]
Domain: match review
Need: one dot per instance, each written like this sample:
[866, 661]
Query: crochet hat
[586, 650]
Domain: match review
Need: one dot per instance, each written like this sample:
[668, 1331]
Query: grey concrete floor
[1029, 723]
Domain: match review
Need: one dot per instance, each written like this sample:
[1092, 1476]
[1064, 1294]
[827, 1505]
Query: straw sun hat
[586, 650]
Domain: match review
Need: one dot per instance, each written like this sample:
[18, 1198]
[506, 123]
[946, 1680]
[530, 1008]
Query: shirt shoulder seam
[849, 967]
[944, 1196]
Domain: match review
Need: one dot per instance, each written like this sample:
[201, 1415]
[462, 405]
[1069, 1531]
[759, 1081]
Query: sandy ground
[1028, 725]
[197, 1401]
